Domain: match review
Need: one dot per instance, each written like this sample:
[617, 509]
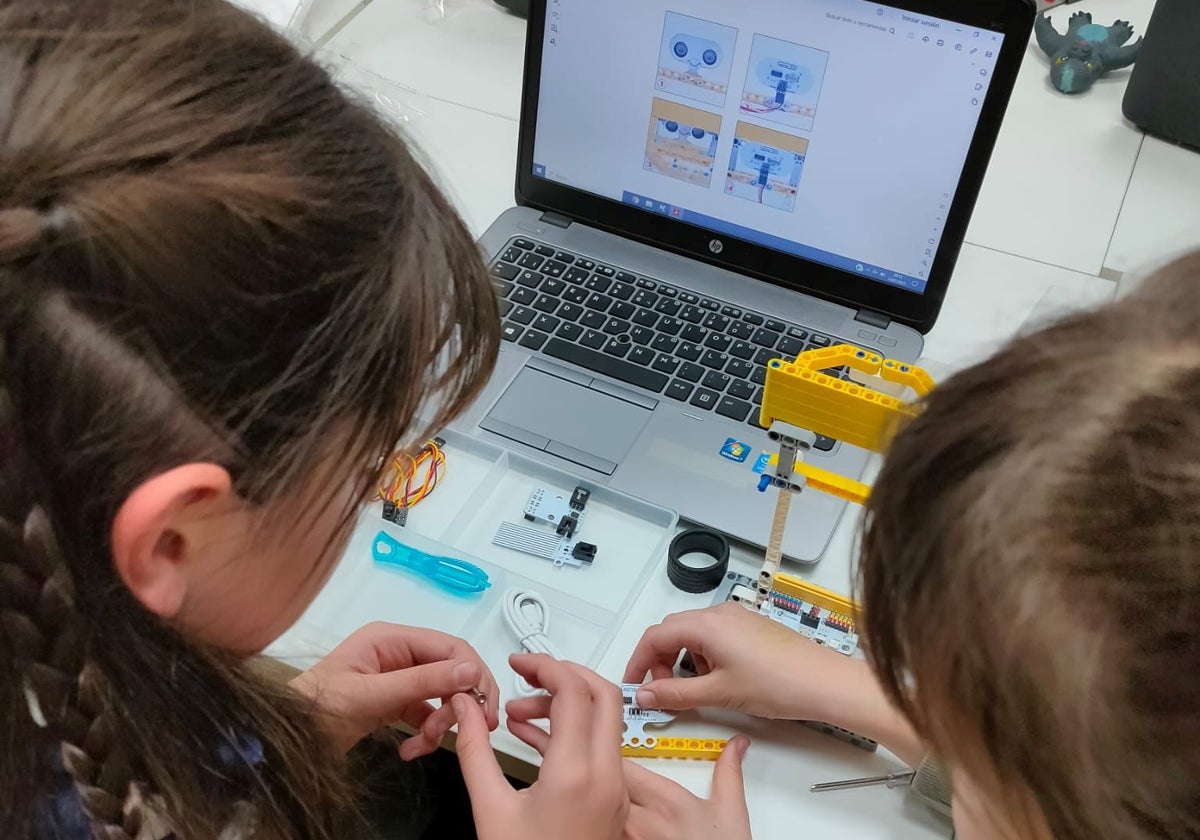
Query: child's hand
[744, 660]
[662, 810]
[386, 673]
[580, 792]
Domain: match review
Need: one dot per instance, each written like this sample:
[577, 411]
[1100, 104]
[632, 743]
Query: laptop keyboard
[643, 332]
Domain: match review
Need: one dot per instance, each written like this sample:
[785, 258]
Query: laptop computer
[703, 186]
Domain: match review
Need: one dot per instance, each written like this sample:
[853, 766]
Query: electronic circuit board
[636, 743]
[558, 546]
[821, 619]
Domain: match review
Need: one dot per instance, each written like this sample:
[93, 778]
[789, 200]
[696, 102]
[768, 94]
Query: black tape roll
[703, 541]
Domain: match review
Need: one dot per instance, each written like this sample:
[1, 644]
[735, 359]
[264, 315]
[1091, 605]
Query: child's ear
[154, 533]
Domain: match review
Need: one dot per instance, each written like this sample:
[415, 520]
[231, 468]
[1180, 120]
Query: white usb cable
[528, 617]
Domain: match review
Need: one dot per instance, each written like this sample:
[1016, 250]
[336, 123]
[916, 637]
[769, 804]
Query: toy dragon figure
[1086, 52]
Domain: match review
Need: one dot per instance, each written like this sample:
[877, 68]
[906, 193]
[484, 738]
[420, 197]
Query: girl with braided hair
[226, 290]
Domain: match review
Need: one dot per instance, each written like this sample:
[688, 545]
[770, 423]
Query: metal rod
[891, 780]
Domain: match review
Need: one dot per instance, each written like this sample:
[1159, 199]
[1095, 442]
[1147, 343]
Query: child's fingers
[728, 787]
[485, 781]
[384, 696]
[529, 708]
[647, 787]
[531, 734]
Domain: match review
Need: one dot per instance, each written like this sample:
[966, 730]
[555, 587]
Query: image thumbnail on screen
[783, 82]
[694, 59]
[682, 142]
[765, 166]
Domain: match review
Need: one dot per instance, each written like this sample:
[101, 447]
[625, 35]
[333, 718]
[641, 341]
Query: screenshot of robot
[765, 166]
[783, 82]
[682, 142]
[694, 60]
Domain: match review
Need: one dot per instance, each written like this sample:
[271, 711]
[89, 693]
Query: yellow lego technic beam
[800, 394]
[695, 748]
[829, 482]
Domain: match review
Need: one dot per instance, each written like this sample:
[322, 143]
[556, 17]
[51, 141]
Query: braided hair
[208, 253]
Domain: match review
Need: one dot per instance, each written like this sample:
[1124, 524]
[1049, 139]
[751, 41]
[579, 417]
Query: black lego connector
[580, 498]
[584, 552]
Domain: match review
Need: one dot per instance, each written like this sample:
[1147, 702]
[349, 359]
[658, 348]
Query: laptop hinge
[873, 319]
[556, 219]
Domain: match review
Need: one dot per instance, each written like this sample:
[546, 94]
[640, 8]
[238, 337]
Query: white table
[1068, 206]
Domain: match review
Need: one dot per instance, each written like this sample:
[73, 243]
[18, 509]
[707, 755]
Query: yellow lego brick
[799, 394]
[696, 748]
[828, 482]
[818, 595]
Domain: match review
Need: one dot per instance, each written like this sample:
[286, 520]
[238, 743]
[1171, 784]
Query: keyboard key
[575, 274]
[615, 326]
[645, 298]
[820, 340]
[679, 390]
[742, 350]
[637, 375]
[689, 351]
[505, 307]
[502, 289]
[742, 330]
[796, 332]
[533, 339]
[730, 407]
[665, 343]
[693, 333]
[710, 305]
[776, 326]
[531, 261]
[739, 369]
[570, 311]
[598, 302]
[576, 294]
[545, 303]
[692, 314]
[741, 390]
[594, 320]
[554, 269]
[691, 372]
[605, 270]
[666, 364]
[546, 323]
[764, 356]
[758, 396]
[641, 335]
[511, 254]
[510, 331]
[523, 296]
[544, 250]
[765, 338]
[505, 271]
[641, 355]
[645, 317]
[593, 339]
[586, 265]
[523, 315]
[716, 321]
[715, 380]
[617, 347]
[621, 291]
[790, 347]
[824, 444]
[626, 277]
[529, 278]
[523, 244]
[759, 377]
[705, 399]
[554, 287]
[667, 291]
[598, 283]
[731, 312]
[564, 257]
[688, 297]
[570, 332]
[714, 359]
[716, 341]
[649, 285]
[670, 326]
[623, 310]
[753, 318]
[667, 306]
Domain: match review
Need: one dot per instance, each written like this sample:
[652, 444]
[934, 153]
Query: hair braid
[66, 696]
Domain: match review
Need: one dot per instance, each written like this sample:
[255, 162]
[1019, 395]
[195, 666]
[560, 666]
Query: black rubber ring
[706, 579]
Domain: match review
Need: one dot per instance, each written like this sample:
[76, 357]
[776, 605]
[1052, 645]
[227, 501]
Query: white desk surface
[1067, 198]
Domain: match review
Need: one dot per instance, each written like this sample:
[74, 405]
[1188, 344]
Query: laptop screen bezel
[1014, 18]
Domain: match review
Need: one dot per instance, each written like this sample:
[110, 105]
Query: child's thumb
[485, 780]
[728, 786]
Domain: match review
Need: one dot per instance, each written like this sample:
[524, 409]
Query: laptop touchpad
[567, 419]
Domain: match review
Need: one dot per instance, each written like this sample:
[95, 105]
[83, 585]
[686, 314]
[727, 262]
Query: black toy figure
[1086, 52]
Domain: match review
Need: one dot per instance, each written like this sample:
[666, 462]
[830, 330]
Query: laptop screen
[833, 130]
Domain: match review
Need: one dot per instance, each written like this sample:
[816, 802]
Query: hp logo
[716, 246]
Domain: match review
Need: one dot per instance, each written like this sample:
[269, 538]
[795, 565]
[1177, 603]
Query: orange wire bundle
[400, 484]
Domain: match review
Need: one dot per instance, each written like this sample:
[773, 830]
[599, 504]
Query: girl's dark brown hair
[208, 252]
[1031, 571]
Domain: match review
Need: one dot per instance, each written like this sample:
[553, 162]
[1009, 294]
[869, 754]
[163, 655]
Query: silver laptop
[703, 186]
